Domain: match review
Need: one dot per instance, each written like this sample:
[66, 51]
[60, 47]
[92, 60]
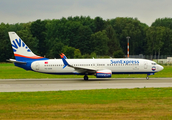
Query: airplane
[101, 68]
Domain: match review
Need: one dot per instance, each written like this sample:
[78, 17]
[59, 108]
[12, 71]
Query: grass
[120, 104]
[9, 71]
[130, 104]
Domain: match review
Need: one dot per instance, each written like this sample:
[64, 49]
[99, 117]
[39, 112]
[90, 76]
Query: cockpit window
[153, 63]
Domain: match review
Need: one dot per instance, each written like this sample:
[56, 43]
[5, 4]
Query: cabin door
[37, 66]
[145, 65]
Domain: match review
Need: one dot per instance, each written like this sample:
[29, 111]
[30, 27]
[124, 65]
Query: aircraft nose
[161, 67]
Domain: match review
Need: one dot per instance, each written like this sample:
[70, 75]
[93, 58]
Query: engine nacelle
[104, 74]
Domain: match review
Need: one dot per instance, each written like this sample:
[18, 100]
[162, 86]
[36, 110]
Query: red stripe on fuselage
[104, 73]
[32, 57]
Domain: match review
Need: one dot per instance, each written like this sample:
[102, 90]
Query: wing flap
[83, 69]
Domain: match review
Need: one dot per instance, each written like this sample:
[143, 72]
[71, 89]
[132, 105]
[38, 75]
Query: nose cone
[160, 68]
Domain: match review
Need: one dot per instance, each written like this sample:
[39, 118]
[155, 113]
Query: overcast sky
[22, 11]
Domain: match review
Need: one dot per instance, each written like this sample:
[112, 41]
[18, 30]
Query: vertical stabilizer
[20, 49]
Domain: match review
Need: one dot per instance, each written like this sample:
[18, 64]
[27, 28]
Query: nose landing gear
[147, 78]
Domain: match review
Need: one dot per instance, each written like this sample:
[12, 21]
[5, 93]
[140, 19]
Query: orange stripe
[104, 73]
[32, 57]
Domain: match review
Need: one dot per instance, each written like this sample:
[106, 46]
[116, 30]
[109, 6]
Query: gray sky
[22, 11]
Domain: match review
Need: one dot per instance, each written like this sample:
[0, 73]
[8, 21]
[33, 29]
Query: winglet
[63, 56]
[64, 60]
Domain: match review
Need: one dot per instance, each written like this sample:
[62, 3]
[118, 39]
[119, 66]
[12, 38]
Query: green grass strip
[101, 96]
[146, 103]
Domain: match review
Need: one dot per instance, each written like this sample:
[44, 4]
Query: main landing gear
[85, 77]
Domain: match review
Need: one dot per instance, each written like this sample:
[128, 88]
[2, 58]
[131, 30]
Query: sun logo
[153, 68]
[19, 45]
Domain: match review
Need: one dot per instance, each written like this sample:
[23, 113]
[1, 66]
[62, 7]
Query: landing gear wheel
[85, 77]
[147, 78]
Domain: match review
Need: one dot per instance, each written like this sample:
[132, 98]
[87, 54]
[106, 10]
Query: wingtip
[62, 55]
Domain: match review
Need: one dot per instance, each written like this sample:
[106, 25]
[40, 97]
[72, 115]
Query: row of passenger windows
[76, 65]
[93, 65]
[121, 64]
[54, 65]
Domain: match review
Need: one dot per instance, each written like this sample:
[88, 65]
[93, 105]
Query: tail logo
[17, 44]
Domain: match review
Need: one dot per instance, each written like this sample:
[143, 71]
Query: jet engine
[104, 74]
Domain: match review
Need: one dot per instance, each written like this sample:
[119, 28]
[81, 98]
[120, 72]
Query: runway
[23, 85]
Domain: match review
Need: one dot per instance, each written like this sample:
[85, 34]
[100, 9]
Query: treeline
[79, 37]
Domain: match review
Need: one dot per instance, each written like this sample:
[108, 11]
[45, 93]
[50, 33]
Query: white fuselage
[117, 66]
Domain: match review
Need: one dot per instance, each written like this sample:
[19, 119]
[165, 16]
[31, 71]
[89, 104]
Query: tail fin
[20, 49]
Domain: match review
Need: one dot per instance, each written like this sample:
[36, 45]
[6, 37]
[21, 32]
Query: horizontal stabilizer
[15, 61]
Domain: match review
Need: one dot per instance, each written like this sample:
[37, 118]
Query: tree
[68, 51]
[83, 40]
[71, 32]
[167, 46]
[163, 22]
[56, 50]
[77, 53]
[118, 54]
[113, 43]
[5, 45]
[166, 25]
[155, 39]
[99, 42]
[93, 55]
[38, 30]
[99, 24]
[130, 27]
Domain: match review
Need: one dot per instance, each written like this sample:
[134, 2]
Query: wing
[78, 69]
[84, 70]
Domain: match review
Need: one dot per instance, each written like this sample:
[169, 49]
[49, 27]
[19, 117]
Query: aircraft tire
[85, 77]
[147, 78]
